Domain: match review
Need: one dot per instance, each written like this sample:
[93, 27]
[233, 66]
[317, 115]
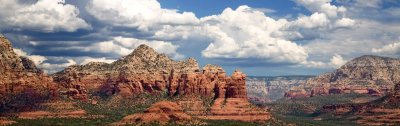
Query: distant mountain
[268, 89]
[362, 74]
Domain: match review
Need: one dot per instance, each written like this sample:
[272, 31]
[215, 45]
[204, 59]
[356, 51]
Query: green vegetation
[302, 111]
[111, 109]
[306, 111]
[229, 123]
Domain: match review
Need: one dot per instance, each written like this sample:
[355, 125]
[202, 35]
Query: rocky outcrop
[360, 75]
[234, 105]
[296, 94]
[20, 78]
[161, 112]
[146, 71]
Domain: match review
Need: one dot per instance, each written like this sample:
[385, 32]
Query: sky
[259, 37]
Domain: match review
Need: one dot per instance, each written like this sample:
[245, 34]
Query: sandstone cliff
[146, 71]
[20, 77]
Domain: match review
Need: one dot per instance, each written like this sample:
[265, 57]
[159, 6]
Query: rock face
[365, 75]
[20, 77]
[144, 70]
[234, 105]
[296, 94]
[161, 112]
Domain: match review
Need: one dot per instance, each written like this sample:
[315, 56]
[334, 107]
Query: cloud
[265, 10]
[389, 49]
[89, 59]
[324, 37]
[313, 21]
[247, 33]
[336, 61]
[121, 46]
[37, 59]
[40, 62]
[53, 68]
[368, 3]
[43, 15]
[345, 22]
[322, 6]
[141, 14]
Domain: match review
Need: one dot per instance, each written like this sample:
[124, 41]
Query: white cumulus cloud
[87, 60]
[322, 6]
[37, 59]
[336, 61]
[43, 15]
[389, 49]
[247, 33]
[123, 46]
[143, 14]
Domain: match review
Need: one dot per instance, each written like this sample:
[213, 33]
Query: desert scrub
[303, 106]
[302, 111]
[115, 108]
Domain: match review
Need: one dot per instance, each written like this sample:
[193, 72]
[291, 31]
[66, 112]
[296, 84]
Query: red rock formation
[161, 112]
[232, 104]
[318, 91]
[144, 70]
[20, 77]
[359, 75]
[296, 94]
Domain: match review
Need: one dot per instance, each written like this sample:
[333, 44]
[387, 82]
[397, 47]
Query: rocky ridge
[20, 77]
[146, 71]
[367, 74]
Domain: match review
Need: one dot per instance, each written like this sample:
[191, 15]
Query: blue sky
[259, 37]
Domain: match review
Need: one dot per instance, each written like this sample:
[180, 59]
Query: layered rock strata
[20, 78]
[363, 75]
[146, 71]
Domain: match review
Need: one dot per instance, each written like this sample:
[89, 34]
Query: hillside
[366, 74]
[21, 79]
